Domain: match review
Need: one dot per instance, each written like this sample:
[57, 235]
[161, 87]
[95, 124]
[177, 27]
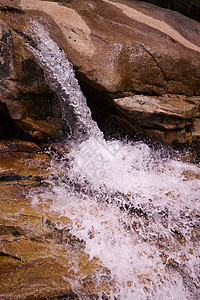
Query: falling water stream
[136, 210]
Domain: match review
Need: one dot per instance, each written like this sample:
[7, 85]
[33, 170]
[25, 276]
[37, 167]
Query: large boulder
[126, 46]
[118, 48]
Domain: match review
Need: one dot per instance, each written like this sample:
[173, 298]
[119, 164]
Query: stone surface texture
[39, 258]
[170, 118]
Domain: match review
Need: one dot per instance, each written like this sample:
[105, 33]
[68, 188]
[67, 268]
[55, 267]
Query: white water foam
[137, 212]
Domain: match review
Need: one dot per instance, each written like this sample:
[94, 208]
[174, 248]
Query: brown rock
[39, 258]
[24, 165]
[125, 45]
[18, 146]
[196, 130]
[3, 147]
[25, 97]
[169, 118]
[36, 280]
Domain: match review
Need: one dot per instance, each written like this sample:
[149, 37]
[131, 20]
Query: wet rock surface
[18, 146]
[39, 258]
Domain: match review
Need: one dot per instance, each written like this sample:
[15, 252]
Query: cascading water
[137, 212]
[60, 77]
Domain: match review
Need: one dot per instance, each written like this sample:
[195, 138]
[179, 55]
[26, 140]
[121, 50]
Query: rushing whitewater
[135, 210]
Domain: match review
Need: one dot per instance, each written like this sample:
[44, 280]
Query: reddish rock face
[119, 48]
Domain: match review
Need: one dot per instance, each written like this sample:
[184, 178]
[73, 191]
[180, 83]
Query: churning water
[136, 211]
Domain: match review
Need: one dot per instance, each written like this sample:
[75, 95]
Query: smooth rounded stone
[121, 46]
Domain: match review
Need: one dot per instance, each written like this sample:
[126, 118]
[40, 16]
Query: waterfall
[137, 212]
[60, 77]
